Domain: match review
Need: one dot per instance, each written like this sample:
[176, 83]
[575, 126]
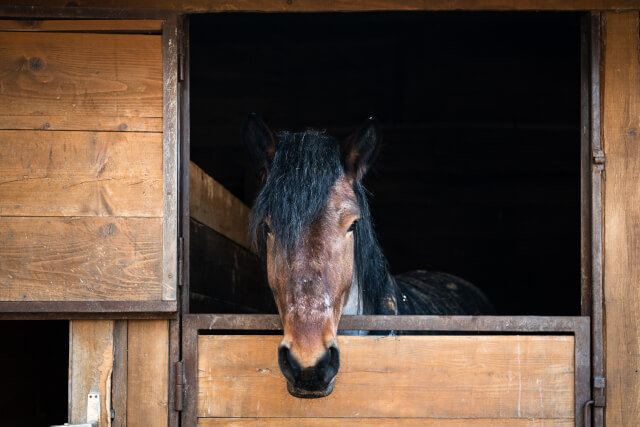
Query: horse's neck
[355, 302]
[386, 305]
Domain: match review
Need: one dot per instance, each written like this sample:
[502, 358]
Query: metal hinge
[598, 157]
[178, 397]
[599, 397]
[180, 259]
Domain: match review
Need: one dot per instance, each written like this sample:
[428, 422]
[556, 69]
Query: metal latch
[93, 413]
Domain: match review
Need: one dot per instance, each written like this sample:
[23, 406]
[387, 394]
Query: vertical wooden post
[90, 366]
[621, 132]
[148, 373]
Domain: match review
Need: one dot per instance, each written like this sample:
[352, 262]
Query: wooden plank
[312, 422]
[80, 259]
[170, 159]
[80, 174]
[50, 74]
[193, 6]
[75, 122]
[120, 370]
[213, 205]
[224, 277]
[411, 376]
[102, 25]
[90, 365]
[148, 370]
[621, 128]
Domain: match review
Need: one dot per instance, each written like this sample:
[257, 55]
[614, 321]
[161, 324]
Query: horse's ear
[360, 150]
[261, 143]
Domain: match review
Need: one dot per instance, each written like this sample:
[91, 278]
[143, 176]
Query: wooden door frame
[166, 309]
[589, 347]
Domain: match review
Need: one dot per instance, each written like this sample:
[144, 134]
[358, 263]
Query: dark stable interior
[479, 173]
[33, 382]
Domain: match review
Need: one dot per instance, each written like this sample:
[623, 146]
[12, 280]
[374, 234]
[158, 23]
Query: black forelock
[305, 167]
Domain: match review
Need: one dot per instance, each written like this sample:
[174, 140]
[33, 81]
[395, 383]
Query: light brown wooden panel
[78, 74]
[124, 25]
[148, 370]
[75, 122]
[90, 365]
[213, 205]
[339, 422]
[409, 376]
[621, 132]
[80, 259]
[80, 173]
[343, 5]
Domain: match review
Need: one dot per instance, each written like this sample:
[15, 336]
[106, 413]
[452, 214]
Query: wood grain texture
[621, 125]
[75, 122]
[213, 205]
[80, 259]
[338, 422]
[120, 371]
[412, 376]
[170, 159]
[80, 174]
[148, 371]
[54, 74]
[90, 365]
[96, 25]
[341, 6]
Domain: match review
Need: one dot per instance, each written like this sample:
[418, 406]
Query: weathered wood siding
[340, 6]
[485, 380]
[621, 140]
[81, 161]
[126, 361]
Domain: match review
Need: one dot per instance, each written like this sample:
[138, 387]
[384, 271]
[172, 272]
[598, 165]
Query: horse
[312, 226]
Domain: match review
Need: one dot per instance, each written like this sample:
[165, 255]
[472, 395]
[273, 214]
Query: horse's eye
[266, 228]
[352, 227]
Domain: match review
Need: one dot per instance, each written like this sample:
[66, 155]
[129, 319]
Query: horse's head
[306, 222]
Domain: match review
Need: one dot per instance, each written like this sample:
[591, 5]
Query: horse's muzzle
[312, 382]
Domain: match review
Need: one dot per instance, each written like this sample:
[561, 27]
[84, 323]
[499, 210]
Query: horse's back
[437, 293]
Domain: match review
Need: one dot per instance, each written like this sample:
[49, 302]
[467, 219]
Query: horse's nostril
[288, 364]
[333, 364]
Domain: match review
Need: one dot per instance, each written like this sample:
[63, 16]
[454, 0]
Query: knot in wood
[36, 63]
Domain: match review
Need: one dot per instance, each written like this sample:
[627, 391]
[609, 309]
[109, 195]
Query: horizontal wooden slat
[80, 259]
[408, 376]
[125, 25]
[80, 174]
[87, 309]
[75, 122]
[213, 205]
[343, 5]
[50, 74]
[312, 422]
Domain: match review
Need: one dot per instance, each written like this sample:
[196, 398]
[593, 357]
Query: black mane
[305, 167]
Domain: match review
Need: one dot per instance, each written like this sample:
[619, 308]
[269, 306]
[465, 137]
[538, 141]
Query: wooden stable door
[471, 380]
[88, 175]
[492, 379]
